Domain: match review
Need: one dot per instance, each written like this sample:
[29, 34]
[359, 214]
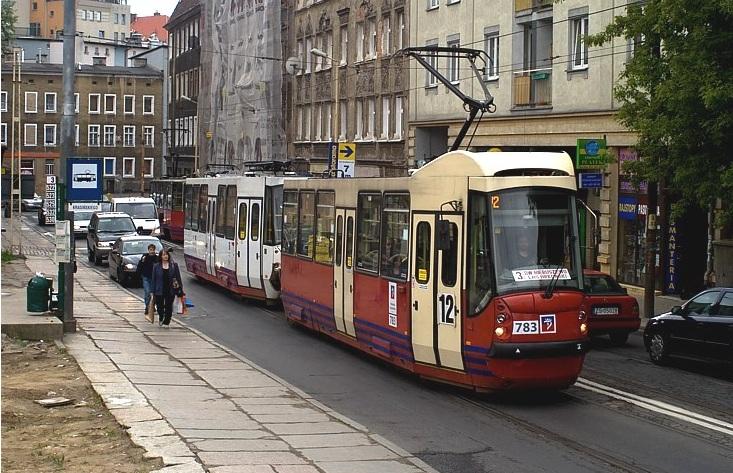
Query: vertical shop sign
[671, 276]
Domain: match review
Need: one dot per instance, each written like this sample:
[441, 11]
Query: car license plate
[605, 310]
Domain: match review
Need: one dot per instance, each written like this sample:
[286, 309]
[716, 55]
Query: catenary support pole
[66, 270]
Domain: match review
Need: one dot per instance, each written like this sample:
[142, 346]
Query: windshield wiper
[553, 281]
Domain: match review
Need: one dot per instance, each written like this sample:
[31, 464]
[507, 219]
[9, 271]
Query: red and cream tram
[467, 272]
[232, 233]
[168, 197]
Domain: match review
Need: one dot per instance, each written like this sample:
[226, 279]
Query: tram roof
[466, 163]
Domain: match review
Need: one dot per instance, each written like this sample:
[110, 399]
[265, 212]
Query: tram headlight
[583, 328]
[499, 331]
[501, 318]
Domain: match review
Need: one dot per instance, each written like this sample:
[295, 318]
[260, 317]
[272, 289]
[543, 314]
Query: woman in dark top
[167, 284]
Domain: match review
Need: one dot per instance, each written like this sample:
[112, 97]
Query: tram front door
[436, 289]
[343, 272]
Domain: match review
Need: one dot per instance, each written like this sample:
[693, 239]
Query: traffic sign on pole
[347, 159]
[49, 204]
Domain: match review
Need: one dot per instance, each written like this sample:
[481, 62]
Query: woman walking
[167, 284]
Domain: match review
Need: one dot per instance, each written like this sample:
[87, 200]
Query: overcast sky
[147, 8]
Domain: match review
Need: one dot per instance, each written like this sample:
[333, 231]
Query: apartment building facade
[95, 18]
[354, 90]
[119, 120]
[182, 81]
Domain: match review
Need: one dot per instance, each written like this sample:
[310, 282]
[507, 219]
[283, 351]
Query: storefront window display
[632, 214]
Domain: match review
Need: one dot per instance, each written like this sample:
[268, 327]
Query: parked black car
[125, 255]
[104, 229]
[701, 328]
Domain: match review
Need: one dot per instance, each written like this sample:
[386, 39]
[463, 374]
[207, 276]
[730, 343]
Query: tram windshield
[534, 239]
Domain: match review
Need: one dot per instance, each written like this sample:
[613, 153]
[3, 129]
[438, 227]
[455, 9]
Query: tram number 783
[447, 309]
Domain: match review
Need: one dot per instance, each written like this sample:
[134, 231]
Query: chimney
[157, 13]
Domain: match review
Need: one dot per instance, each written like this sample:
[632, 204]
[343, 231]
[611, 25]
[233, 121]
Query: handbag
[150, 313]
[178, 305]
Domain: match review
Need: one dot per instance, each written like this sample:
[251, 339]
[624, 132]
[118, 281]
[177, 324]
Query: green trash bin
[38, 294]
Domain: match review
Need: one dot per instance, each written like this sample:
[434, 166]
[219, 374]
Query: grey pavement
[200, 406]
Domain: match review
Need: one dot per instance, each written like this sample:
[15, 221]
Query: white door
[338, 272]
[254, 242]
[242, 240]
[423, 289]
[447, 298]
[211, 236]
[348, 283]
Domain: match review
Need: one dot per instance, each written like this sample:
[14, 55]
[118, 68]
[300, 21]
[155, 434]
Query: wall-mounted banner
[590, 154]
[83, 179]
[627, 207]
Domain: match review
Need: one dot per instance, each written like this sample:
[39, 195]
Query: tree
[676, 93]
[8, 25]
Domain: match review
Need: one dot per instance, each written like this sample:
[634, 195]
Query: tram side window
[229, 208]
[339, 239]
[177, 195]
[242, 221]
[273, 214]
[290, 222]
[306, 217]
[325, 213]
[194, 214]
[203, 208]
[395, 236]
[220, 213]
[449, 258]
[254, 229]
[188, 200]
[349, 242]
[422, 253]
[478, 254]
[367, 241]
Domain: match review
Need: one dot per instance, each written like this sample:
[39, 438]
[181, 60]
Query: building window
[31, 102]
[50, 167]
[50, 102]
[307, 123]
[386, 36]
[359, 119]
[327, 122]
[3, 101]
[398, 118]
[128, 135]
[129, 104]
[579, 51]
[93, 135]
[491, 45]
[148, 105]
[76, 135]
[432, 4]
[128, 167]
[110, 104]
[300, 123]
[4, 133]
[344, 45]
[149, 136]
[372, 111]
[49, 135]
[123, 19]
[431, 80]
[401, 31]
[360, 42]
[109, 135]
[326, 48]
[94, 105]
[453, 63]
[27, 167]
[148, 164]
[76, 102]
[317, 121]
[101, 33]
[385, 117]
[30, 134]
[372, 39]
[308, 54]
[301, 57]
[343, 110]
[110, 166]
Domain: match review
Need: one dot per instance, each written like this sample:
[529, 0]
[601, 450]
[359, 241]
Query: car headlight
[129, 266]
[156, 231]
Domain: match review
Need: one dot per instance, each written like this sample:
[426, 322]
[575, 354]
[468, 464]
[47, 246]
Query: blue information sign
[83, 179]
[591, 180]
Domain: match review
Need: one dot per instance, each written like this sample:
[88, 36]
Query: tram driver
[524, 255]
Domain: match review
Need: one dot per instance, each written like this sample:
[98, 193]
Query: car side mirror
[676, 310]
[626, 291]
[139, 230]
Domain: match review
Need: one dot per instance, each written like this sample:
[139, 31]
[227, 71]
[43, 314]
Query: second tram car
[232, 233]
[168, 197]
[467, 272]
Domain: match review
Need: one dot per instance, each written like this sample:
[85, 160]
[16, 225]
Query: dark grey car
[125, 255]
[104, 229]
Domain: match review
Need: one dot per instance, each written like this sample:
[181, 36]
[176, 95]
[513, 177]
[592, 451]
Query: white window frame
[300, 124]
[128, 130]
[318, 122]
[77, 101]
[359, 41]
[386, 110]
[579, 44]
[152, 167]
[301, 56]
[99, 103]
[4, 133]
[318, 60]
[372, 40]
[105, 142]
[125, 160]
[371, 117]
[124, 105]
[98, 132]
[45, 102]
[52, 168]
[401, 31]
[76, 134]
[149, 131]
[399, 116]
[343, 119]
[114, 104]
[3, 101]
[359, 119]
[114, 166]
[307, 123]
[328, 122]
[308, 54]
[386, 35]
[152, 104]
[32, 169]
[453, 70]
[433, 4]
[49, 126]
[491, 46]
[35, 102]
[431, 80]
[344, 38]
[26, 127]
[326, 46]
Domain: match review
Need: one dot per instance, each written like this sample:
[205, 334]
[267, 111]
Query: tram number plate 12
[447, 309]
[525, 327]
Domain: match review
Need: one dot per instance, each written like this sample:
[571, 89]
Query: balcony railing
[521, 5]
[532, 88]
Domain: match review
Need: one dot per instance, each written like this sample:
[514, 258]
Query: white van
[142, 210]
[82, 214]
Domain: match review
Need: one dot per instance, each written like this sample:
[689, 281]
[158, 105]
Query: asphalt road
[455, 431]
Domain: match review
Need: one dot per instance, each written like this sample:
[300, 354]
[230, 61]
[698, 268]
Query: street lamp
[337, 122]
[195, 138]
